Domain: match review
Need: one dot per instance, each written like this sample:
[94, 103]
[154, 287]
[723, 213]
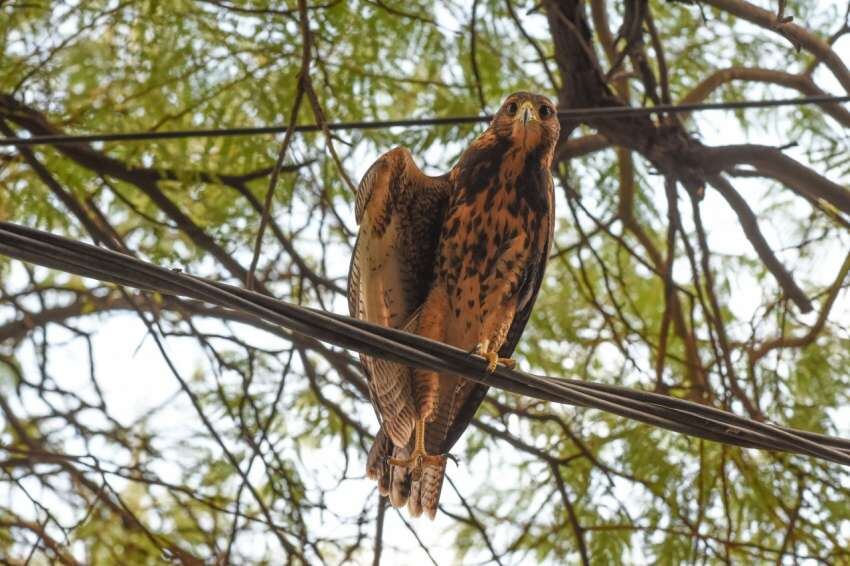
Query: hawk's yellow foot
[419, 457]
[493, 360]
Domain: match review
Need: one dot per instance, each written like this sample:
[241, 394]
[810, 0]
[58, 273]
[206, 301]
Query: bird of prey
[457, 258]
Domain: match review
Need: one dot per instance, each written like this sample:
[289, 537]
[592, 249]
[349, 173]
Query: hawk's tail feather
[395, 396]
[400, 481]
[391, 387]
[397, 483]
[425, 492]
[377, 467]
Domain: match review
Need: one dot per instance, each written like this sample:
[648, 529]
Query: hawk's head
[530, 120]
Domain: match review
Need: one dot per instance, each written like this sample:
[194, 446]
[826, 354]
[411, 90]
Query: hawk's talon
[417, 461]
[493, 361]
[419, 457]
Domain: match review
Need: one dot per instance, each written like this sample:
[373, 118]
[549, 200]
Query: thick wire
[49, 250]
[576, 114]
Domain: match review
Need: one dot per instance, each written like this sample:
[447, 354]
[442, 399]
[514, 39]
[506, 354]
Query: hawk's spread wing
[400, 211]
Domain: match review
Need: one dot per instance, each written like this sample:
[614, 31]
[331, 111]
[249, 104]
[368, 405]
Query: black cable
[671, 413]
[577, 114]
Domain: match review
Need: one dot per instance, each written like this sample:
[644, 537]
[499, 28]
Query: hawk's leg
[492, 357]
[419, 457]
[431, 324]
[426, 383]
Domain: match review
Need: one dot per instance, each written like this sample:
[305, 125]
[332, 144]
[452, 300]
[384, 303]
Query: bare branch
[771, 162]
[798, 34]
[801, 83]
[749, 224]
[802, 341]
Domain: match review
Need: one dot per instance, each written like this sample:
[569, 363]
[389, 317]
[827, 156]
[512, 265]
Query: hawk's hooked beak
[526, 110]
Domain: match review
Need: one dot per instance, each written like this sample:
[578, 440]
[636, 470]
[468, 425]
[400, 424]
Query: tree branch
[802, 341]
[797, 34]
[801, 83]
[771, 162]
[142, 178]
[749, 224]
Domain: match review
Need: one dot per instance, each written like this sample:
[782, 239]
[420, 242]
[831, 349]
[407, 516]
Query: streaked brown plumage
[457, 258]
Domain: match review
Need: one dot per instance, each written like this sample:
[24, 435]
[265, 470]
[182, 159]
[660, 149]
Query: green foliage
[294, 414]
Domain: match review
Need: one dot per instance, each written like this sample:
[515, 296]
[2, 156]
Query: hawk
[457, 258]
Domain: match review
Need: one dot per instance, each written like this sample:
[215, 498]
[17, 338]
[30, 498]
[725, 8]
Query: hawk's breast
[493, 230]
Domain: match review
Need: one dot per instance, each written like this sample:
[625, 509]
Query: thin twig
[284, 146]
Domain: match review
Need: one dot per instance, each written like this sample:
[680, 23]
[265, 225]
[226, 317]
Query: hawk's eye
[512, 108]
[545, 111]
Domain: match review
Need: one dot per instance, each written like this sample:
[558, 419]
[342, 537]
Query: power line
[679, 415]
[576, 114]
